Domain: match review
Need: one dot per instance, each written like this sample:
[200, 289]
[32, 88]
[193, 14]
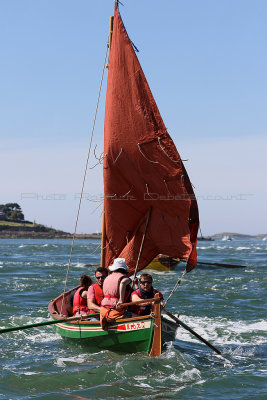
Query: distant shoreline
[53, 234]
[31, 230]
[45, 235]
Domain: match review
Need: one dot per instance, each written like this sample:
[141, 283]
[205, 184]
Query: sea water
[225, 306]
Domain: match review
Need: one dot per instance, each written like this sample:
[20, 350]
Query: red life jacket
[144, 310]
[98, 292]
[79, 303]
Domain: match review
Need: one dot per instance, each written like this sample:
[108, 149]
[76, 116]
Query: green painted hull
[125, 336]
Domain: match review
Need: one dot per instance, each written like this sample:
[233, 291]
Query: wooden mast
[103, 236]
[111, 19]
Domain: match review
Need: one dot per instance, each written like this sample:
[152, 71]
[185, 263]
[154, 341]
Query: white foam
[235, 278]
[30, 373]
[223, 331]
[145, 385]
[43, 336]
[78, 265]
[61, 361]
[206, 247]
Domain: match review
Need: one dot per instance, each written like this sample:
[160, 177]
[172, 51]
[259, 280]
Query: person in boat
[116, 290]
[95, 292]
[145, 291]
[80, 296]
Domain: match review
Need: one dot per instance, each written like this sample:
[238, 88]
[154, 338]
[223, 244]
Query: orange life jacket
[79, 303]
[98, 292]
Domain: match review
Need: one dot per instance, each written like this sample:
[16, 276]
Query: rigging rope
[175, 287]
[83, 182]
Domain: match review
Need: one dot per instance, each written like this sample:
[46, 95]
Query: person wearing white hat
[115, 285]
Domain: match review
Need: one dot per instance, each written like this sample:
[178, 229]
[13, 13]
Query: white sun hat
[117, 264]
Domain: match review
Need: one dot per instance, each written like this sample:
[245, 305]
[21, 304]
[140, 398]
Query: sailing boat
[163, 263]
[206, 238]
[149, 204]
[226, 238]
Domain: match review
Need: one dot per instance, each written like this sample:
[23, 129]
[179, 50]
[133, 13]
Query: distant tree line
[11, 212]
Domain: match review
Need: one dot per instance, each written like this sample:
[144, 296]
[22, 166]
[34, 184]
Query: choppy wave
[225, 306]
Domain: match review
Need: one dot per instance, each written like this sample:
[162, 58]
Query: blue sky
[206, 65]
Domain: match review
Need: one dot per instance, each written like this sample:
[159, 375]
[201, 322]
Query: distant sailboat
[163, 263]
[227, 238]
[201, 237]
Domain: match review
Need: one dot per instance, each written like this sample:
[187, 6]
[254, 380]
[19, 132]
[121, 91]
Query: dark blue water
[226, 306]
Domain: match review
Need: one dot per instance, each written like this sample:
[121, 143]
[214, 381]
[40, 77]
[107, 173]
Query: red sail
[142, 168]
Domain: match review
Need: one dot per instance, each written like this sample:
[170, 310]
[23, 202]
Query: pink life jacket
[79, 303]
[111, 289]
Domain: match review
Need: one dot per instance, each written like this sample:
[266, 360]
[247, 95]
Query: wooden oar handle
[222, 265]
[51, 322]
[139, 302]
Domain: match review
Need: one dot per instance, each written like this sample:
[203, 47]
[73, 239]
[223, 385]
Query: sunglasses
[100, 277]
[144, 282]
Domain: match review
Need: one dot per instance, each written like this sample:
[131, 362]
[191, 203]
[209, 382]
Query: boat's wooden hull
[129, 335]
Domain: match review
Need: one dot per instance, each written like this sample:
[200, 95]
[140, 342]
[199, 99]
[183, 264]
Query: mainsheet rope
[83, 182]
[175, 287]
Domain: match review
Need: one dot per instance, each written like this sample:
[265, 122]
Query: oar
[179, 322]
[55, 321]
[222, 265]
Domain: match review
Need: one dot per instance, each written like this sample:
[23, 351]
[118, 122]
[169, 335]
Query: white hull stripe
[134, 326]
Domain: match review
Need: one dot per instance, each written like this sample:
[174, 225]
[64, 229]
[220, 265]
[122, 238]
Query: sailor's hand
[118, 305]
